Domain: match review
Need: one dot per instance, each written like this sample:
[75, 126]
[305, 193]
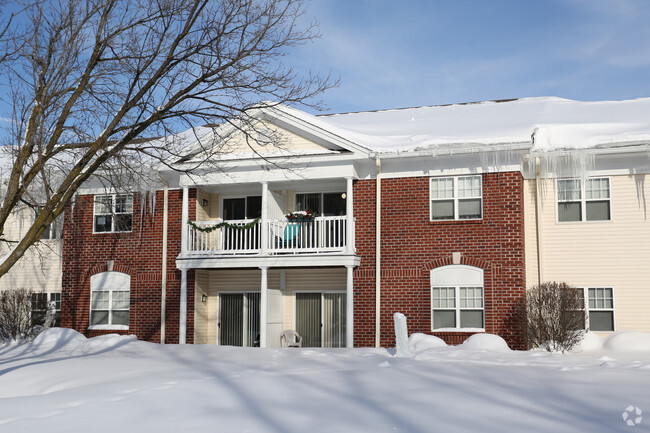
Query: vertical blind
[321, 319]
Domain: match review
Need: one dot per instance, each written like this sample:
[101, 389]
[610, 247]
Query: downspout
[378, 254]
[538, 220]
[163, 280]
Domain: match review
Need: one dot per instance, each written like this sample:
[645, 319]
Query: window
[40, 303]
[110, 300]
[113, 213]
[322, 203]
[457, 299]
[587, 200]
[600, 308]
[242, 208]
[456, 198]
[52, 231]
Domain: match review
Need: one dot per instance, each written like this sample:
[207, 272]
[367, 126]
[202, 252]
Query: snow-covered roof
[555, 123]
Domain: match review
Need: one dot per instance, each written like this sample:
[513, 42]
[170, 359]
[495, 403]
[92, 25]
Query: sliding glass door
[320, 318]
[239, 319]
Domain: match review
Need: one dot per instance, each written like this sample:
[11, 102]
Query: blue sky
[403, 53]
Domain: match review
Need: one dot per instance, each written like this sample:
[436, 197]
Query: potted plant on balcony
[300, 216]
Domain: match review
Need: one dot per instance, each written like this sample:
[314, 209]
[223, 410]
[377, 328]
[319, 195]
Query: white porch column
[349, 314]
[349, 218]
[264, 228]
[182, 326]
[263, 305]
[184, 218]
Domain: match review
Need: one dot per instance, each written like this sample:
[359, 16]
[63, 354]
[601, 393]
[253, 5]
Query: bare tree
[16, 315]
[86, 78]
[554, 316]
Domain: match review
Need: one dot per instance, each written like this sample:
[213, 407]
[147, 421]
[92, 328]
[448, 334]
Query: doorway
[321, 318]
[239, 319]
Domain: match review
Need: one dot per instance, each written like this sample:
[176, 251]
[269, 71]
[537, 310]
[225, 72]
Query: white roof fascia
[461, 149]
[283, 116]
[306, 173]
[257, 163]
[637, 146]
[312, 125]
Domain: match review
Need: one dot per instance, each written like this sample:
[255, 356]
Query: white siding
[530, 233]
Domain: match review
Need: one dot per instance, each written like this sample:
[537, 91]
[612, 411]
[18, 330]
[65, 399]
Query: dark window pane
[309, 202]
[103, 223]
[444, 319]
[569, 212]
[601, 321]
[598, 210]
[121, 318]
[124, 204]
[123, 222]
[442, 209]
[234, 208]
[333, 204]
[254, 207]
[99, 317]
[469, 209]
[471, 319]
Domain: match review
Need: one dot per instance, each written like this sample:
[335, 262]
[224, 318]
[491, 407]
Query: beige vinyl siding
[283, 139]
[212, 282]
[202, 310]
[209, 212]
[40, 267]
[319, 279]
[612, 253]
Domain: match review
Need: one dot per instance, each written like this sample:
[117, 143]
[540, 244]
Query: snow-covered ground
[63, 382]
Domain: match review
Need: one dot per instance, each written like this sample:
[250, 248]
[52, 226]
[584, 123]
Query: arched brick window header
[464, 260]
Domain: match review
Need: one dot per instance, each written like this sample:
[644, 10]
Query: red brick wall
[137, 253]
[412, 245]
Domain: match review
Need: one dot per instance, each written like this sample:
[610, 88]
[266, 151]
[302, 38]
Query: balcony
[320, 235]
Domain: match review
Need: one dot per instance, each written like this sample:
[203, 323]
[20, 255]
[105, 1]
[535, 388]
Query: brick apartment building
[329, 225]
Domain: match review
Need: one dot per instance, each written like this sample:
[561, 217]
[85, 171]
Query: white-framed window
[456, 198]
[583, 199]
[240, 208]
[40, 304]
[457, 298]
[110, 294]
[600, 308]
[113, 213]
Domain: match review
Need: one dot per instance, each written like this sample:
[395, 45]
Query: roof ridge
[425, 106]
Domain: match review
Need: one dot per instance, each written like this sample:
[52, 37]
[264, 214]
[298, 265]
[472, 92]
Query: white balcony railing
[322, 234]
[224, 240]
[319, 235]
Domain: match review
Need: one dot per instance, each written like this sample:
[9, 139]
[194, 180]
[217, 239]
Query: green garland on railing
[250, 225]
